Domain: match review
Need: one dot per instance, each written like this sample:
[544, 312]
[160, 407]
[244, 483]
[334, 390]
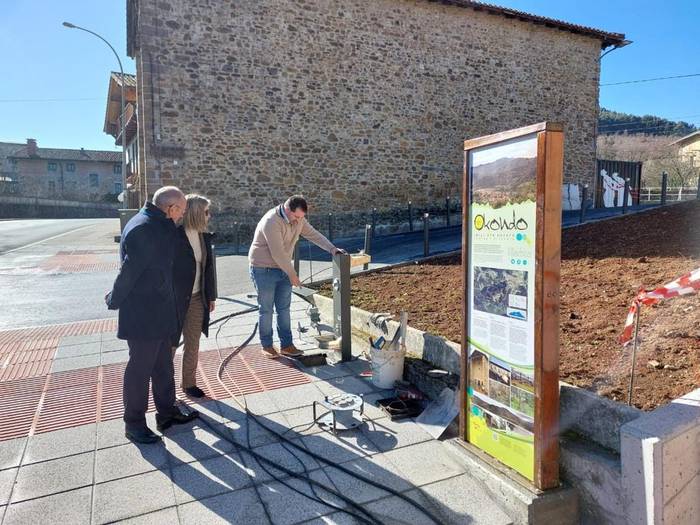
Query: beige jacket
[275, 237]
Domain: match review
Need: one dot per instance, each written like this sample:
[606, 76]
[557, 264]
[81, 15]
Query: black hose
[312, 483]
[257, 418]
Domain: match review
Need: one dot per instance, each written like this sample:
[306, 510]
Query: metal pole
[374, 221]
[664, 187]
[426, 233]
[368, 243]
[121, 112]
[447, 211]
[634, 352]
[625, 195]
[297, 262]
[410, 216]
[584, 197]
[341, 304]
[330, 227]
[238, 237]
[697, 190]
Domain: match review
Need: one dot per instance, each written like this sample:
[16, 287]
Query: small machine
[341, 412]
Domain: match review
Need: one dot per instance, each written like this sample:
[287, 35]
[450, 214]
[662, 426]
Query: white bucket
[387, 367]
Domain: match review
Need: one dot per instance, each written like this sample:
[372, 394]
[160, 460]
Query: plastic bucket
[387, 367]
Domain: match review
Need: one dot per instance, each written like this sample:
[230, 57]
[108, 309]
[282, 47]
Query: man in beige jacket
[272, 271]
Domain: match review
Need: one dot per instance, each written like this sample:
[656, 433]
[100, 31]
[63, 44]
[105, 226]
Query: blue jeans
[274, 290]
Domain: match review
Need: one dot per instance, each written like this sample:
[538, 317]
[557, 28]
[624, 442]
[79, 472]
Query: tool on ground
[340, 413]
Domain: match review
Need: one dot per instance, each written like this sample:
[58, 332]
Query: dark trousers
[148, 361]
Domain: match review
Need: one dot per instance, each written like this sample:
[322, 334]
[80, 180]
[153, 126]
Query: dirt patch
[603, 266]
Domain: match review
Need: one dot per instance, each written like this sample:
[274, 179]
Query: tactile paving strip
[29, 352]
[58, 330]
[77, 397]
[81, 261]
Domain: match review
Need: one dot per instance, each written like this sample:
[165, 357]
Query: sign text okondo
[481, 222]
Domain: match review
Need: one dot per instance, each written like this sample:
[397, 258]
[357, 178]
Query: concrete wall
[353, 103]
[661, 464]
[31, 208]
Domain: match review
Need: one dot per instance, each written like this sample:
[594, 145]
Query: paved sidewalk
[90, 473]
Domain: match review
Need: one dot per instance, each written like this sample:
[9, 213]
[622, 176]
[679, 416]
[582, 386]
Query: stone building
[355, 103]
[63, 174]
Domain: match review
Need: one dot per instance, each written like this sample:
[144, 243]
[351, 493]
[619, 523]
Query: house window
[117, 187]
[117, 169]
[94, 180]
[70, 166]
[52, 187]
[51, 166]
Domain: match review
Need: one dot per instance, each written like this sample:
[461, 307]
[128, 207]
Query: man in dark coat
[143, 293]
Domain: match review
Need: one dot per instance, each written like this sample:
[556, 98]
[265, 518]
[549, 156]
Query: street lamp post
[121, 112]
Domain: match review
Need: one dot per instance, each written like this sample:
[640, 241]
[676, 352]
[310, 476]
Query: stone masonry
[354, 103]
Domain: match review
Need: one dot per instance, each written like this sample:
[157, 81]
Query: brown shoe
[291, 351]
[270, 352]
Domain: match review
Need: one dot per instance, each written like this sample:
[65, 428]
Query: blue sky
[44, 61]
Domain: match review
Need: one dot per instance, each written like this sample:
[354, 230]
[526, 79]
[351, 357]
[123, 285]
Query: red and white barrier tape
[684, 285]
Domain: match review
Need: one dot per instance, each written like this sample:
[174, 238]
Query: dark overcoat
[143, 290]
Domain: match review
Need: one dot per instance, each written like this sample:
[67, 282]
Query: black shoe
[178, 418]
[142, 435]
[194, 391]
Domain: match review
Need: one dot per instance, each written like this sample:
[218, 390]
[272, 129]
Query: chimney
[31, 147]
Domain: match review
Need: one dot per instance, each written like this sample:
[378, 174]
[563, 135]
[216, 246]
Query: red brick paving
[79, 261]
[29, 352]
[77, 397]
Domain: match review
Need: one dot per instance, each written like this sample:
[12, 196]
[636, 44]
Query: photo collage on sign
[504, 393]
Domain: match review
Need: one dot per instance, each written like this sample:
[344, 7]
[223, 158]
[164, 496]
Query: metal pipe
[330, 227]
[634, 351]
[447, 211]
[625, 195]
[584, 204]
[368, 243]
[410, 216]
[426, 234]
[238, 237]
[296, 258]
[374, 221]
[664, 187]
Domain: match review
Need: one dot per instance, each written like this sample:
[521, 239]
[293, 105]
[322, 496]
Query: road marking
[47, 239]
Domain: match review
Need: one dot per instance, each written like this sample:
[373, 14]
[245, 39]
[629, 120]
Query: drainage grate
[77, 397]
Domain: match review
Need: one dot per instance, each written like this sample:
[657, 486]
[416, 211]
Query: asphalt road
[16, 234]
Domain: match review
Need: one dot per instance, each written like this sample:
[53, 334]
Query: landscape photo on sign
[500, 301]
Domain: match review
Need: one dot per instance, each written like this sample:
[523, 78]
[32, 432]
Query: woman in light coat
[194, 281]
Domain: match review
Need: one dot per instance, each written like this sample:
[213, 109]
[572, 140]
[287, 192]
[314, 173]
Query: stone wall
[356, 104]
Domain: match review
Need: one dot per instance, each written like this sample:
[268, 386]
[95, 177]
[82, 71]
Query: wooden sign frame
[548, 176]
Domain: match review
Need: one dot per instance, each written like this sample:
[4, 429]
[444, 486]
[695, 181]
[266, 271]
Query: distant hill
[613, 122]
